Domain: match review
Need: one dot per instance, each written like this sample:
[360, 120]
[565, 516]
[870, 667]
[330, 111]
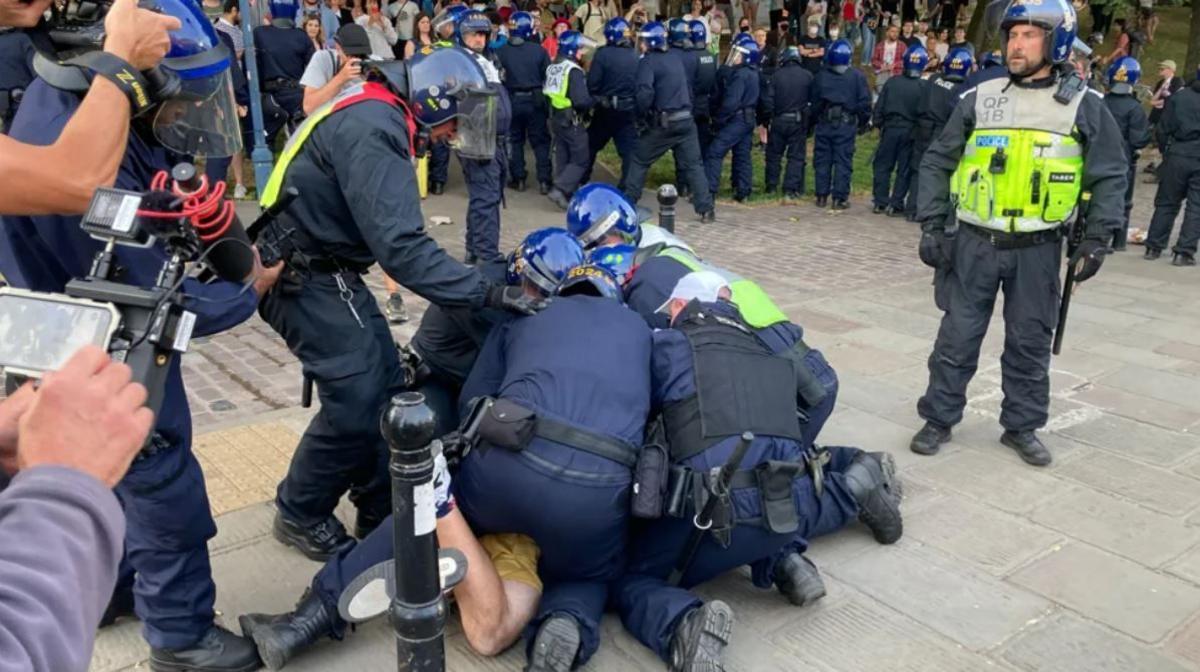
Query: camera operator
[68, 443]
[166, 576]
[61, 176]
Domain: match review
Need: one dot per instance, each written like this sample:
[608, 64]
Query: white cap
[705, 286]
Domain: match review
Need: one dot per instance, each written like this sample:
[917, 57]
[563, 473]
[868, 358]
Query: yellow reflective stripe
[755, 307]
[271, 192]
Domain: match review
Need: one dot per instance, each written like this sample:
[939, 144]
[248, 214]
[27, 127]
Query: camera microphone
[227, 248]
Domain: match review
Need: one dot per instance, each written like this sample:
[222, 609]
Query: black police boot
[708, 217]
[437, 188]
[871, 479]
[841, 204]
[879, 209]
[1028, 446]
[740, 198]
[556, 645]
[929, 439]
[1183, 259]
[470, 259]
[119, 606]
[683, 190]
[792, 196]
[218, 651]
[895, 212]
[279, 638]
[558, 198]
[544, 188]
[518, 185]
[700, 639]
[366, 520]
[318, 543]
[822, 201]
[798, 579]
[1152, 253]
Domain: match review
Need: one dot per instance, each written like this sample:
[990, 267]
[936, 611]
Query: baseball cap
[353, 40]
[1169, 64]
[704, 286]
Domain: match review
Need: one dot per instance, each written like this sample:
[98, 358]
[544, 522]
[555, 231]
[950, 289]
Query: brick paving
[1092, 564]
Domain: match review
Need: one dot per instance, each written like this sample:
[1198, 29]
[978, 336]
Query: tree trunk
[976, 30]
[1193, 52]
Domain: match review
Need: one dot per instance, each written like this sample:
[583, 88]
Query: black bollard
[667, 197]
[418, 611]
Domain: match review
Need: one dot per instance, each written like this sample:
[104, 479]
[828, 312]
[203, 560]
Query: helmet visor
[737, 56]
[202, 119]
[476, 123]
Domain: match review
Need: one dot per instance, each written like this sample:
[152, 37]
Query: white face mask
[812, 31]
[833, 34]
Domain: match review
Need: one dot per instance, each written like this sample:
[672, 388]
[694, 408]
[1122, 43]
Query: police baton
[418, 610]
[704, 519]
[1074, 238]
[667, 197]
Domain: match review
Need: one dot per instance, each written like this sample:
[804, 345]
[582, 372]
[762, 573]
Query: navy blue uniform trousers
[620, 127]
[894, 153]
[529, 122]
[787, 136]
[485, 190]
[833, 159]
[571, 155]
[736, 135]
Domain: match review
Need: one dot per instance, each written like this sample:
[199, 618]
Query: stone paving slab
[1092, 564]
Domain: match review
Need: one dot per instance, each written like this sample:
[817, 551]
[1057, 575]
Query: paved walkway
[1090, 565]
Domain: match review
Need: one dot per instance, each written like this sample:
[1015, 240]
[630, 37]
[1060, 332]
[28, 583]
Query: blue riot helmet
[679, 35]
[520, 24]
[474, 22]
[616, 258]
[916, 58]
[572, 44]
[699, 33]
[616, 32]
[743, 38]
[991, 59]
[445, 24]
[1123, 75]
[591, 280]
[1056, 17]
[838, 56]
[654, 36]
[958, 64]
[446, 85]
[547, 254]
[283, 10]
[790, 55]
[597, 210]
[744, 52]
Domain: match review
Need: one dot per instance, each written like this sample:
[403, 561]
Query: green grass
[663, 170]
[1170, 40]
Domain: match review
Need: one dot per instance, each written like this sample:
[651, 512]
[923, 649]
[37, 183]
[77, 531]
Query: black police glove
[514, 300]
[935, 248]
[1088, 258]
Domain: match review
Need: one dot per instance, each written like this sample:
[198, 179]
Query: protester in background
[404, 16]
[961, 42]
[817, 12]
[422, 35]
[888, 59]
[868, 29]
[331, 71]
[590, 18]
[344, 13]
[1166, 86]
[312, 28]
[851, 10]
[550, 44]
[1121, 50]
[380, 31]
[937, 51]
[812, 46]
[750, 11]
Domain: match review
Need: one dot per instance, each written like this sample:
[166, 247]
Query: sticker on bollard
[370, 594]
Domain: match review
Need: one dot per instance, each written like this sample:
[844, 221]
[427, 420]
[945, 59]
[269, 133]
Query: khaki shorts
[515, 557]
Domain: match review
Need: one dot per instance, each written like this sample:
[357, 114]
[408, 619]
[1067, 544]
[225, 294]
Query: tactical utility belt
[665, 119]
[1003, 240]
[790, 116]
[280, 84]
[838, 115]
[507, 424]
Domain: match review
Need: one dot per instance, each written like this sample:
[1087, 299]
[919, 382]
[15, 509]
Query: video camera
[145, 327]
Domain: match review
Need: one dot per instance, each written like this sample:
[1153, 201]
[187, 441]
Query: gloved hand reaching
[514, 299]
[1088, 258]
[935, 249]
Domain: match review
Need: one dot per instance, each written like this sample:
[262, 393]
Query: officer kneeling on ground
[500, 593]
[778, 490]
[1023, 157]
[358, 205]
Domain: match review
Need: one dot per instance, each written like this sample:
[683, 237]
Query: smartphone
[39, 331]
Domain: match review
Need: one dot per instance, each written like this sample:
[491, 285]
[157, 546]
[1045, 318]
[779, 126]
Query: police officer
[1178, 130]
[896, 115]
[840, 104]
[485, 177]
[344, 222]
[1040, 133]
[566, 89]
[991, 66]
[778, 493]
[165, 572]
[524, 62]
[788, 127]
[703, 86]
[16, 72]
[579, 374]
[610, 80]
[679, 44]
[734, 118]
[941, 95]
[441, 356]
[666, 122]
[283, 53]
[445, 28]
[1123, 75]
